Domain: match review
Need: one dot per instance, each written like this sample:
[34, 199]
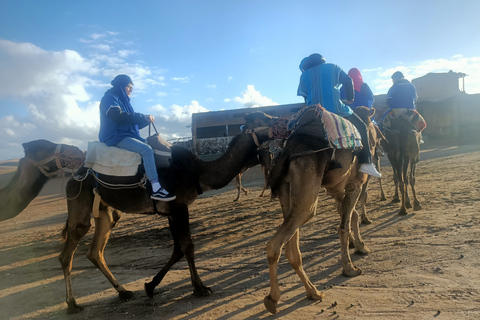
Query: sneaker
[422, 142]
[163, 195]
[369, 168]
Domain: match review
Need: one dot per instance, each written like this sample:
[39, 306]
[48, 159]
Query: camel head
[258, 123]
[50, 156]
[365, 113]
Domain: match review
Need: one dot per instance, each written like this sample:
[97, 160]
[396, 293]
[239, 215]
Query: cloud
[470, 65]
[175, 121]
[211, 86]
[251, 98]
[181, 79]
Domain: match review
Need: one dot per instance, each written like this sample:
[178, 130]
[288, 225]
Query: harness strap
[96, 207]
[41, 165]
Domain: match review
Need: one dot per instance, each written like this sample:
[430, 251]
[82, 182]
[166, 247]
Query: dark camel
[264, 159]
[303, 167]
[43, 159]
[402, 146]
[375, 137]
[188, 176]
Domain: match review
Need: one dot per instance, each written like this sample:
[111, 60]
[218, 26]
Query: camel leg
[294, 256]
[416, 203]
[183, 246]
[265, 175]
[76, 230]
[362, 201]
[238, 184]
[352, 192]
[103, 227]
[403, 187]
[360, 246]
[296, 213]
[393, 162]
[382, 193]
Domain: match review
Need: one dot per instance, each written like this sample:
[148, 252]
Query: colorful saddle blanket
[315, 120]
[112, 161]
[406, 114]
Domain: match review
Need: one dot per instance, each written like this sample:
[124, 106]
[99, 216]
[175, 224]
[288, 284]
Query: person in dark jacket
[402, 94]
[119, 126]
[320, 84]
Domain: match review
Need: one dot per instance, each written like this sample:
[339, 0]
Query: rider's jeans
[135, 145]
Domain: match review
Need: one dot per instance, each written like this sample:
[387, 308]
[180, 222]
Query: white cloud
[381, 78]
[252, 98]
[211, 86]
[181, 79]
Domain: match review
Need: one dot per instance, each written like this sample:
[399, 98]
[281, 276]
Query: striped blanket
[339, 132]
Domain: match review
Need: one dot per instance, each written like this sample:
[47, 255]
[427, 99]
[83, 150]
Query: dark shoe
[163, 195]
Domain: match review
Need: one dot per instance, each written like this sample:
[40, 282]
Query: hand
[347, 101]
[150, 118]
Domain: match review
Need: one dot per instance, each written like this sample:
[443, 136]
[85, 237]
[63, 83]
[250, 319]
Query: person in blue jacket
[363, 93]
[320, 84]
[402, 94]
[119, 126]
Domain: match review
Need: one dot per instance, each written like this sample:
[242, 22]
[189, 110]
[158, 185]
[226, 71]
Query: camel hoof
[383, 198]
[417, 207]
[351, 245]
[202, 292]
[270, 305]
[149, 288]
[74, 308]
[366, 221]
[408, 205]
[403, 212]
[363, 252]
[126, 295]
[352, 272]
[396, 200]
[316, 296]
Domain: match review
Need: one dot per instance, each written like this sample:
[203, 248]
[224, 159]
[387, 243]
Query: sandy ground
[422, 266]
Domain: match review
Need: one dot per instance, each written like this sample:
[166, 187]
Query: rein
[68, 159]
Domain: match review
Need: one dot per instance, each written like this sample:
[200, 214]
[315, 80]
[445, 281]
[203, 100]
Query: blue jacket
[118, 119]
[321, 85]
[364, 97]
[402, 95]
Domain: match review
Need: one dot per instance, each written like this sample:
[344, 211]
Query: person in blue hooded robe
[119, 126]
[320, 83]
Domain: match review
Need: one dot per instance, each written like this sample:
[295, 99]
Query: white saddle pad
[112, 161]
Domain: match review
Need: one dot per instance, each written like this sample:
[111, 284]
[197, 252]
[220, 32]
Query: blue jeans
[135, 145]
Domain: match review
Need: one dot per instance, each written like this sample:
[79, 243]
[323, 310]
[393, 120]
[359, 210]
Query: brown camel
[304, 166]
[43, 159]
[402, 146]
[375, 137]
[188, 176]
[264, 159]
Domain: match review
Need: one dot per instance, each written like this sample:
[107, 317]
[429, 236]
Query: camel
[43, 160]
[375, 137]
[188, 176]
[302, 168]
[402, 146]
[264, 159]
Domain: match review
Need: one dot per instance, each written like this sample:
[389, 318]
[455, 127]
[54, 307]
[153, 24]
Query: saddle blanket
[338, 131]
[407, 114]
[112, 161]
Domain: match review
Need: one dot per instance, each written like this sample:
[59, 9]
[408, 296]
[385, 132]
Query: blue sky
[57, 58]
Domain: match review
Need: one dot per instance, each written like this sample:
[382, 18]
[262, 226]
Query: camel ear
[26, 146]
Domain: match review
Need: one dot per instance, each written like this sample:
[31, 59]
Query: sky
[57, 58]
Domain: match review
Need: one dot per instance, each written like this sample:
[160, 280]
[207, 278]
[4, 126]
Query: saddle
[314, 120]
[409, 115]
[112, 161]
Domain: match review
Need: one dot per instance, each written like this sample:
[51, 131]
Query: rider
[320, 84]
[119, 126]
[402, 94]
